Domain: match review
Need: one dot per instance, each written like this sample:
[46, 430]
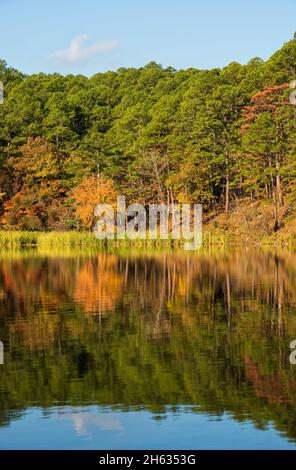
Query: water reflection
[150, 332]
[83, 422]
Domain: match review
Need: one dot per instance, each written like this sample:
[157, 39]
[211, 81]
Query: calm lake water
[159, 350]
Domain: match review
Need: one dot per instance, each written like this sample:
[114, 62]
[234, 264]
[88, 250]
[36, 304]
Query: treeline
[155, 134]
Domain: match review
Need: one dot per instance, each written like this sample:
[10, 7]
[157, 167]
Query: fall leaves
[90, 192]
[267, 100]
[45, 196]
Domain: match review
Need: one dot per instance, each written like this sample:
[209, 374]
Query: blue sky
[92, 35]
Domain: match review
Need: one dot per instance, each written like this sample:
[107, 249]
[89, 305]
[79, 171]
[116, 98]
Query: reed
[19, 239]
[50, 240]
[11, 239]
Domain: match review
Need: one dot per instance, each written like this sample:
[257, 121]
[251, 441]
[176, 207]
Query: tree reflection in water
[210, 330]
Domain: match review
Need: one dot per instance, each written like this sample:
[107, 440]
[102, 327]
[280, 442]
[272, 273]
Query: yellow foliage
[90, 192]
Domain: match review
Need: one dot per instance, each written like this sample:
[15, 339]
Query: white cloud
[84, 422]
[77, 52]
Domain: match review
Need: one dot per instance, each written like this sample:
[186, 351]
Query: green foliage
[158, 133]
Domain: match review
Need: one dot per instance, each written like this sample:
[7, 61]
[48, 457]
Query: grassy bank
[83, 240]
[18, 239]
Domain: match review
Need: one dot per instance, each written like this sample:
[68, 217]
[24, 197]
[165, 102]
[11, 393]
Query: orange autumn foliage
[99, 285]
[90, 192]
[266, 100]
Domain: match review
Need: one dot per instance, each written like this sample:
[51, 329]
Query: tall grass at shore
[11, 239]
[59, 239]
[18, 239]
[14, 240]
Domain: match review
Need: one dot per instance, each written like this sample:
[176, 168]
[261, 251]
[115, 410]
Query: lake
[136, 349]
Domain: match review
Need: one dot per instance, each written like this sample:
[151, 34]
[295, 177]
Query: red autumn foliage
[266, 100]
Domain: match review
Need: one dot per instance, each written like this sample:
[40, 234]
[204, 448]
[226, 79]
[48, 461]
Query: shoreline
[24, 239]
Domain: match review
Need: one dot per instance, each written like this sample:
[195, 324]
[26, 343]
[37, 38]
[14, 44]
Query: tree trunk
[267, 190]
[276, 213]
[275, 199]
[227, 192]
[278, 185]
[172, 196]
